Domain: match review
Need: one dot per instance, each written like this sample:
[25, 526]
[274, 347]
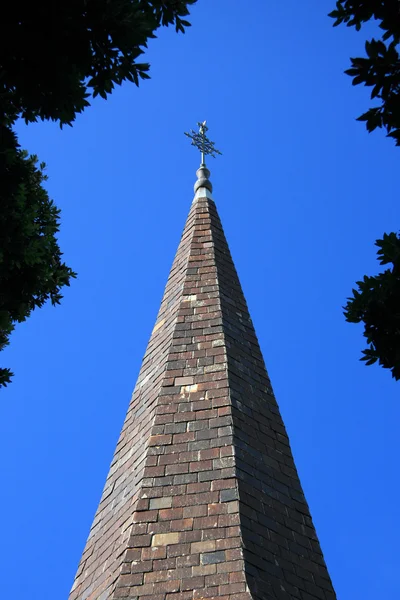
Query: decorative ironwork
[201, 141]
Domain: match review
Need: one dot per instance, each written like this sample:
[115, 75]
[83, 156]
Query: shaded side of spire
[282, 555]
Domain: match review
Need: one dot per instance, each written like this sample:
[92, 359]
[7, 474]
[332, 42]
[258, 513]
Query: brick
[191, 560]
[192, 583]
[178, 550]
[142, 590]
[201, 465]
[230, 566]
[166, 587]
[160, 440]
[205, 522]
[195, 511]
[180, 596]
[177, 469]
[169, 514]
[223, 484]
[161, 502]
[217, 509]
[228, 495]
[184, 381]
[183, 524]
[214, 533]
[130, 580]
[142, 504]
[146, 516]
[142, 566]
[132, 554]
[209, 453]
[232, 588]
[207, 546]
[237, 576]
[196, 488]
[228, 543]
[164, 539]
[139, 541]
[180, 438]
[154, 553]
[235, 554]
[217, 579]
[211, 558]
[228, 520]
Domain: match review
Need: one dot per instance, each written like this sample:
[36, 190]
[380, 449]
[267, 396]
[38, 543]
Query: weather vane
[201, 141]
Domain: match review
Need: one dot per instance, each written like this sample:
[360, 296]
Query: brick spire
[203, 499]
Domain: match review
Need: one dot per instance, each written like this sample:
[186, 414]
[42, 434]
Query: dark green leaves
[354, 13]
[31, 266]
[376, 303]
[380, 69]
[54, 56]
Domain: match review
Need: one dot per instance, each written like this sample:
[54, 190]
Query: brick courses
[203, 499]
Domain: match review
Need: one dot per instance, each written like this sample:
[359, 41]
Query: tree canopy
[380, 68]
[55, 57]
[376, 302]
[31, 267]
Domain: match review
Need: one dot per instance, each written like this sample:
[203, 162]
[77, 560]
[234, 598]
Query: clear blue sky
[303, 191]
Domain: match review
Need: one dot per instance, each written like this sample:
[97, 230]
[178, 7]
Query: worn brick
[217, 579]
[192, 583]
[160, 440]
[207, 546]
[228, 495]
[195, 511]
[211, 558]
[154, 553]
[204, 570]
[164, 539]
[130, 580]
[146, 516]
[143, 566]
[184, 381]
[168, 514]
[165, 502]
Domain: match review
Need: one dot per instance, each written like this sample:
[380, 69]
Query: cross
[201, 141]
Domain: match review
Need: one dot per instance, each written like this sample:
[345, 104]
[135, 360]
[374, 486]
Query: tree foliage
[54, 57]
[31, 267]
[376, 303]
[380, 68]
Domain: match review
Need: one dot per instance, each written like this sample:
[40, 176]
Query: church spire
[203, 499]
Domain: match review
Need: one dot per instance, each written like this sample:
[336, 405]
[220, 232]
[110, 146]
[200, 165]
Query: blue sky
[303, 191]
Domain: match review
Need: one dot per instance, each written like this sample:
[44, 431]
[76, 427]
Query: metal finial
[201, 141]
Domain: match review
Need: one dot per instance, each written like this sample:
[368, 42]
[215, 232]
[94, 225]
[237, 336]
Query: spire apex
[206, 147]
[203, 181]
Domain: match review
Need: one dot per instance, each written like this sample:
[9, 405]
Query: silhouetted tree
[31, 269]
[376, 302]
[380, 68]
[55, 56]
